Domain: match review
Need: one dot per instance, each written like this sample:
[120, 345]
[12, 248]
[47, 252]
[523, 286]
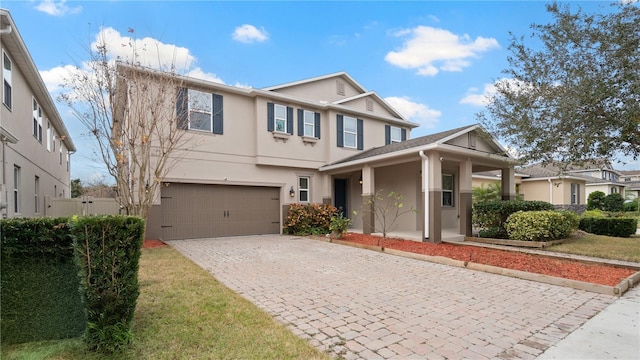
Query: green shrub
[39, 281]
[610, 226]
[309, 219]
[614, 202]
[572, 219]
[595, 201]
[540, 225]
[490, 216]
[107, 251]
[594, 214]
[631, 206]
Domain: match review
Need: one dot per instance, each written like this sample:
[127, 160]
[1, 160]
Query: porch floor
[447, 235]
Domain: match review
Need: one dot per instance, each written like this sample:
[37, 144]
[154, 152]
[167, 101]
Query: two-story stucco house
[321, 140]
[35, 144]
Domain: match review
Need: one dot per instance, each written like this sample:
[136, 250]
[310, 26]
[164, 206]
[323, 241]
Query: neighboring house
[321, 140]
[486, 178]
[35, 144]
[550, 184]
[631, 179]
[602, 176]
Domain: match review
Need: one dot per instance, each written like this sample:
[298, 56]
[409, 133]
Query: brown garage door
[198, 211]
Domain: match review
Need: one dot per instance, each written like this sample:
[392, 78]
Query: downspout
[550, 191]
[425, 191]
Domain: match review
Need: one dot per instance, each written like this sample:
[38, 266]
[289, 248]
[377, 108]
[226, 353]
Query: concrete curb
[617, 290]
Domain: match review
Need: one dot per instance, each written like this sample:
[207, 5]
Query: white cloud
[431, 50]
[479, 99]
[415, 112]
[248, 34]
[54, 78]
[147, 51]
[59, 8]
[198, 73]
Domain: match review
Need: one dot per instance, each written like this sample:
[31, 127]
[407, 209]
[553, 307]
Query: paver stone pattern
[360, 304]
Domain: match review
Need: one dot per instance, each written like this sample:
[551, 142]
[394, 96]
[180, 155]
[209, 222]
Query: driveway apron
[360, 304]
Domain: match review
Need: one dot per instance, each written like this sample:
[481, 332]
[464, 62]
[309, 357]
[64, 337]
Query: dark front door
[340, 195]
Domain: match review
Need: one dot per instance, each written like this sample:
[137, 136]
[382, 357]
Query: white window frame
[304, 190]
[575, 193]
[398, 134]
[280, 119]
[16, 189]
[36, 191]
[7, 82]
[345, 132]
[309, 123]
[48, 135]
[37, 120]
[451, 191]
[204, 108]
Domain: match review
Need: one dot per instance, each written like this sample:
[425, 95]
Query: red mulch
[150, 244]
[568, 269]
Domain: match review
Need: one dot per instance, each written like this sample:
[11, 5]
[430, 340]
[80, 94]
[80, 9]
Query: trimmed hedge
[107, 251]
[39, 297]
[610, 226]
[490, 216]
[309, 219]
[541, 225]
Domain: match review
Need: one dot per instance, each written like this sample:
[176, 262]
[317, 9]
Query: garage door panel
[197, 210]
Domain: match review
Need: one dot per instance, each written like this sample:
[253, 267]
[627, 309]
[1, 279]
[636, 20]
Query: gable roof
[426, 142]
[340, 74]
[539, 171]
[374, 95]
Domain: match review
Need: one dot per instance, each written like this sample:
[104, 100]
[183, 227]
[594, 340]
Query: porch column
[326, 182]
[368, 194]
[465, 170]
[508, 184]
[434, 202]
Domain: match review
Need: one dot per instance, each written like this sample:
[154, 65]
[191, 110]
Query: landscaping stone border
[519, 243]
[617, 290]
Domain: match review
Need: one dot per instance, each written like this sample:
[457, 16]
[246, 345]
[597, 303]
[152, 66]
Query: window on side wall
[37, 121]
[16, 189]
[36, 192]
[7, 81]
[447, 190]
[394, 134]
[303, 189]
[199, 111]
[575, 193]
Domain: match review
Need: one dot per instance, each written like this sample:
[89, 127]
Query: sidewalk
[614, 333]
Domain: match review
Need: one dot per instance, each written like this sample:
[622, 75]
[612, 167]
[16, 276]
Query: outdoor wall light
[292, 192]
[360, 180]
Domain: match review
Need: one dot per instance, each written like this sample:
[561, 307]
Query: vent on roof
[472, 140]
[339, 87]
[369, 105]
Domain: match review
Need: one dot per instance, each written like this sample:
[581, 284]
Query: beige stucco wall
[405, 180]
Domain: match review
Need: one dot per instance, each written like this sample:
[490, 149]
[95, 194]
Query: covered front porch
[433, 174]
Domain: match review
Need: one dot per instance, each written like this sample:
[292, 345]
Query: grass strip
[606, 247]
[183, 312]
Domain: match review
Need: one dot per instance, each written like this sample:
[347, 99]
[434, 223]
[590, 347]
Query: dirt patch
[567, 269]
[150, 244]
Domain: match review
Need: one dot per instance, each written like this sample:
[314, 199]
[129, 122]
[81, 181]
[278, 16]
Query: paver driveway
[362, 304]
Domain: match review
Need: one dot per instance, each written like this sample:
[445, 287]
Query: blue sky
[432, 60]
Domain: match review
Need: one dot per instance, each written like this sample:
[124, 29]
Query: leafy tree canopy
[575, 93]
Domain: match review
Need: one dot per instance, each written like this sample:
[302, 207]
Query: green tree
[491, 192]
[76, 188]
[614, 202]
[574, 92]
[596, 200]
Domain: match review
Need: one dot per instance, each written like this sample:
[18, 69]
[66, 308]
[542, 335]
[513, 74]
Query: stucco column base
[466, 213]
[435, 217]
[368, 214]
[327, 200]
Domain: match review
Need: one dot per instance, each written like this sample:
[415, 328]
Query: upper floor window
[49, 136]
[303, 189]
[447, 190]
[279, 118]
[7, 81]
[37, 121]
[394, 134]
[308, 123]
[199, 111]
[350, 132]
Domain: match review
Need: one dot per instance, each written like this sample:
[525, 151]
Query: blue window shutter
[290, 120]
[300, 122]
[387, 134]
[340, 126]
[360, 135]
[403, 134]
[270, 117]
[317, 125]
[217, 114]
[182, 109]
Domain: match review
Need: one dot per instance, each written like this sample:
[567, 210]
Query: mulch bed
[151, 244]
[567, 269]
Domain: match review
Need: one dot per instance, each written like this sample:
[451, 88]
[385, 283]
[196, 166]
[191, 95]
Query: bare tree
[130, 111]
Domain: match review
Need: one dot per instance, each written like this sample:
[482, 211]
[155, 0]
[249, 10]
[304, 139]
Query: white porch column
[368, 193]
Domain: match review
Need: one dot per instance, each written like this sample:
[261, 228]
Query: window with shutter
[199, 111]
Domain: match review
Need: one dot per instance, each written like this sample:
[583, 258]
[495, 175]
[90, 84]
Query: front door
[340, 195]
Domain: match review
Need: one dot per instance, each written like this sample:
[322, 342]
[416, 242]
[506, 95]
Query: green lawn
[183, 312]
[627, 249]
